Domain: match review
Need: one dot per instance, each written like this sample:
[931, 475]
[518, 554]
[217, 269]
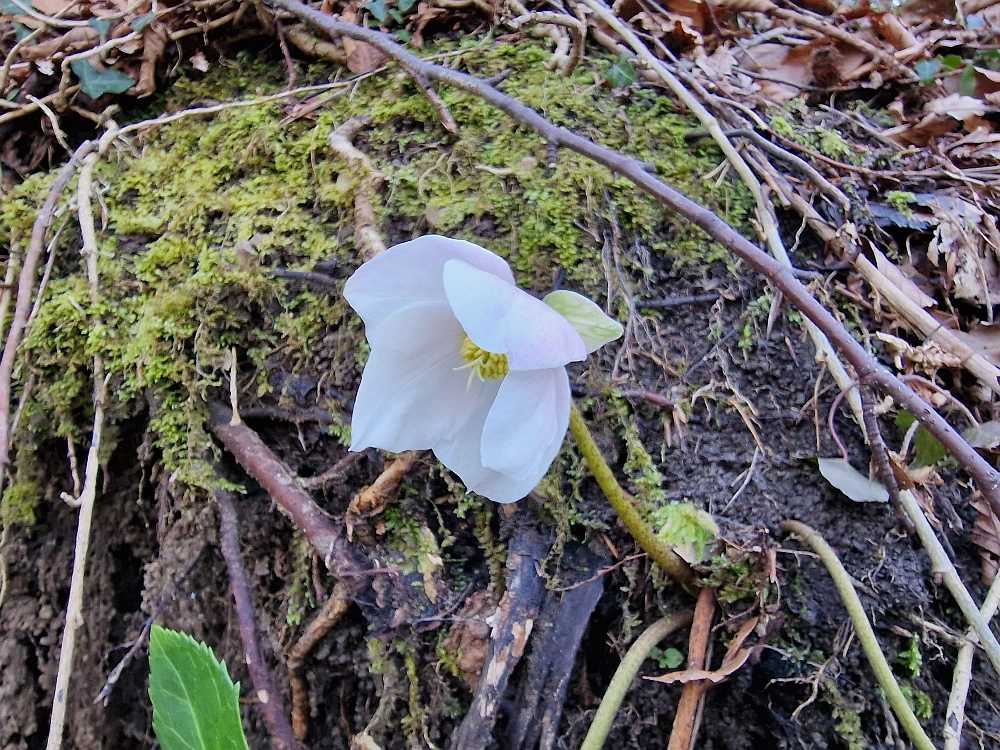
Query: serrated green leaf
[852, 482]
[377, 8]
[96, 83]
[595, 328]
[195, 703]
[622, 73]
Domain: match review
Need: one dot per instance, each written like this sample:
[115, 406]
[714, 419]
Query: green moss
[849, 725]
[199, 213]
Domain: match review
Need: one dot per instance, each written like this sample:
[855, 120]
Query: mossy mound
[199, 211]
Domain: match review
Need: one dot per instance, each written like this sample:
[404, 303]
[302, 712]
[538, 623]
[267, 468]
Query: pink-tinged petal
[412, 395]
[411, 273]
[462, 454]
[527, 424]
[503, 319]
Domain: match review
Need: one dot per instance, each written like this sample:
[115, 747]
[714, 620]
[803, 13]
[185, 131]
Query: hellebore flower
[467, 364]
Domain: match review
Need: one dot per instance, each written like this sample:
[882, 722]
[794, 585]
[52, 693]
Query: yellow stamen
[483, 364]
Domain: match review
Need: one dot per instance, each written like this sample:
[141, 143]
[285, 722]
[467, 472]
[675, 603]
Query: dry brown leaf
[718, 65]
[927, 358]
[361, 57]
[424, 15]
[968, 109]
[75, 40]
[890, 28]
[983, 340]
[50, 7]
[469, 638]
[959, 249]
[154, 41]
[905, 284]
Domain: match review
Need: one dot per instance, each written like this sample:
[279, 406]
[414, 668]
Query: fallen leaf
[361, 57]
[959, 249]
[985, 536]
[852, 482]
[985, 435]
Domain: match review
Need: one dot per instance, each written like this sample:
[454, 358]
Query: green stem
[604, 719]
[672, 564]
[883, 672]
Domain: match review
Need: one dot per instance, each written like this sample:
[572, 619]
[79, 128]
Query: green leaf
[852, 482]
[405, 6]
[595, 328]
[952, 62]
[377, 8]
[403, 36]
[926, 448]
[195, 703]
[671, 659]
[967, 81]
[101, 25]
[142, 22]
[96, 83]
[396, 15]
[927, 70]
[622, 73]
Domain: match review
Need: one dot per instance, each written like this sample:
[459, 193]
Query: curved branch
[867, 369]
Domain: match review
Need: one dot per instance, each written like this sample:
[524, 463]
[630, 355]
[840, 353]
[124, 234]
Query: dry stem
[268, 696]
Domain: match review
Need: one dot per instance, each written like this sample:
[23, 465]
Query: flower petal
[595, 328]
[527, 424]
[412, 395]
[503, 319]
[411, 273]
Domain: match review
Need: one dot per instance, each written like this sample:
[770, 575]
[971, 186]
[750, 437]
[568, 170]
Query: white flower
[467, 364]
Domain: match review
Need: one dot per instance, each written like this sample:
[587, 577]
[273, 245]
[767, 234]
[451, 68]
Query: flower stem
[883, 672]
[671, 563]
[625, 674]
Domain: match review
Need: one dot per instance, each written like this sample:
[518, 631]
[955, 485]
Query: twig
[577, 32]
[25, 290]
[140, 640]
[267, 695]
[320, 481]
[272, 474]
[660, 552]
[367, 238]
[856, 610]
[682, 734]
[88, 497]
[955, 715]
[830, 420]
[333, 610]
[765, 210]
[605, 716]
[682, 301]
[867, 369]
[941, 564]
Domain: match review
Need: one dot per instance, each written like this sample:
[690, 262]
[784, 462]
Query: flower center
[483, 364]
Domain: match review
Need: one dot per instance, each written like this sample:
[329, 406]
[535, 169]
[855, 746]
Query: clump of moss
[197, 218]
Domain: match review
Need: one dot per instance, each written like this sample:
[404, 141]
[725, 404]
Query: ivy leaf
[195, 703]
[405, 6]
[967, 81]
[927, 70]
[622, 73]
[852, 482]
[101, 25]
[9, 7]
[138, 24]
[96, 83]
[377, 8]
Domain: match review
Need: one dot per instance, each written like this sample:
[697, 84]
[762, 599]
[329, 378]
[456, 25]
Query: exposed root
[367, 238]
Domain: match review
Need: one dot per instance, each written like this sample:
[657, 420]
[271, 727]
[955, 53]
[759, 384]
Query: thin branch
[26, 288]
[625, 674]
[867, 369]
[272, 474]
[268, 696]
[883, 672]
[660, 552]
